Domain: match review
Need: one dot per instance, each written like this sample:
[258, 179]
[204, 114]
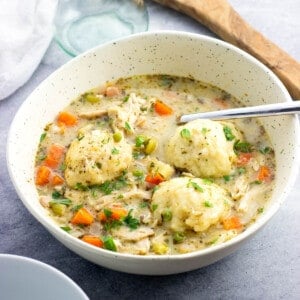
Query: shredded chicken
[127, 234]
[93, 114]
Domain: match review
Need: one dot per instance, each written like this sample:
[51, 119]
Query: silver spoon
[285, 108]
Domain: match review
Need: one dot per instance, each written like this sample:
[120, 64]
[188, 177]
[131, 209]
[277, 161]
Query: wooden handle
[222, 19]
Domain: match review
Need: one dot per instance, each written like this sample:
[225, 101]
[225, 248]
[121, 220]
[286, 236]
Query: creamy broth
[115, 170]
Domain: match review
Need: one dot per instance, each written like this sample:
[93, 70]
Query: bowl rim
[251, 230]
[6, 257]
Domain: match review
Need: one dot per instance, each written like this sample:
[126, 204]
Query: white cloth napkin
[25, 34]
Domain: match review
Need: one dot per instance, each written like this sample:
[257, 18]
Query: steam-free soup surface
[116, 171]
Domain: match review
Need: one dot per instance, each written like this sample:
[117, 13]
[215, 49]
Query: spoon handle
[285, 108]
[222, 19]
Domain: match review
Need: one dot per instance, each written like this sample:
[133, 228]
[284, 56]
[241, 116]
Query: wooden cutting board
[222, 19]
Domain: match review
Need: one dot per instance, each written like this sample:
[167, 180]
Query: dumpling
[190, 203]
[201, 148]
[96, 158]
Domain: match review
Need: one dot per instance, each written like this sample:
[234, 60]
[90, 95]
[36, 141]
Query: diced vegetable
[82, 217]
[117, 136]
[167, 215]
[58, 209]
[232, 223]
[160, 248]
[264, 173]
[42, 175]
[185, 133]
[57, 180]
[150, 146]
[154, 178]
[114, 213]
[93, 240]
[67, 118]
[92, 98]
[244, 158]
[54, 156]
[178, 237]
[109, 243]
[162, 109]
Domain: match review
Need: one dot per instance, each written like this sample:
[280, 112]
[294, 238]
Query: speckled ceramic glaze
[173, 53]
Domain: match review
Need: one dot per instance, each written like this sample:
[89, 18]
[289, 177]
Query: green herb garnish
[130, 221]
[115, 151]
[154, 207]
[265, 150]
[208, 204]
[42, 137]
[80, 187]
[66, 228]
[56, 195]
[127, 126]
[228, 133]
[195, 185]
[140, 141]
[260, 210]
[63, 201]
[76, 207]
[243, 147]
[227, 178]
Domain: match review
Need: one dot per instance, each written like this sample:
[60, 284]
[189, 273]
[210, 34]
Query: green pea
[178, 237]
[167, 215]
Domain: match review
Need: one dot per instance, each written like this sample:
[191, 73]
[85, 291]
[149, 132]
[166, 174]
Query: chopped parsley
[140, 141]
[125, 98]
[195, 185]
[260, 210]
[107, 212]
[208, 204]
[228, 133]
[77, 207]
[42, 137]
[185, 133]
[80, 187]
[154, 207]
[227, 178]
[115, 151]
[63, 201]
[243, 147]
[127, 126]
[130, 221]
[109, 186]
[66, 228]
[241, 170]
[207, 180]
[56, 195]
[265, 150]
[143, 204]
[204, 130]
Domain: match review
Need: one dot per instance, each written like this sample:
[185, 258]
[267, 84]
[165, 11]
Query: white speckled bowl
[174, 53]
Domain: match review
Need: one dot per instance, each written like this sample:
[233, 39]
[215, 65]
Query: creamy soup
[115, 170]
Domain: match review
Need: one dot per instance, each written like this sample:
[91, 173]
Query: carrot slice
[93, 240]
[162, 109]
[82, 217]
[264, 173]
[67, 118]
[154, 178]
[57, 180]
[42, 175]
[244, 158]
[232, 223]
[116, 214]
[54, 156]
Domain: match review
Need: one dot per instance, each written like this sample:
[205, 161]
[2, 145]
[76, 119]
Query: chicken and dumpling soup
[116, 171]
